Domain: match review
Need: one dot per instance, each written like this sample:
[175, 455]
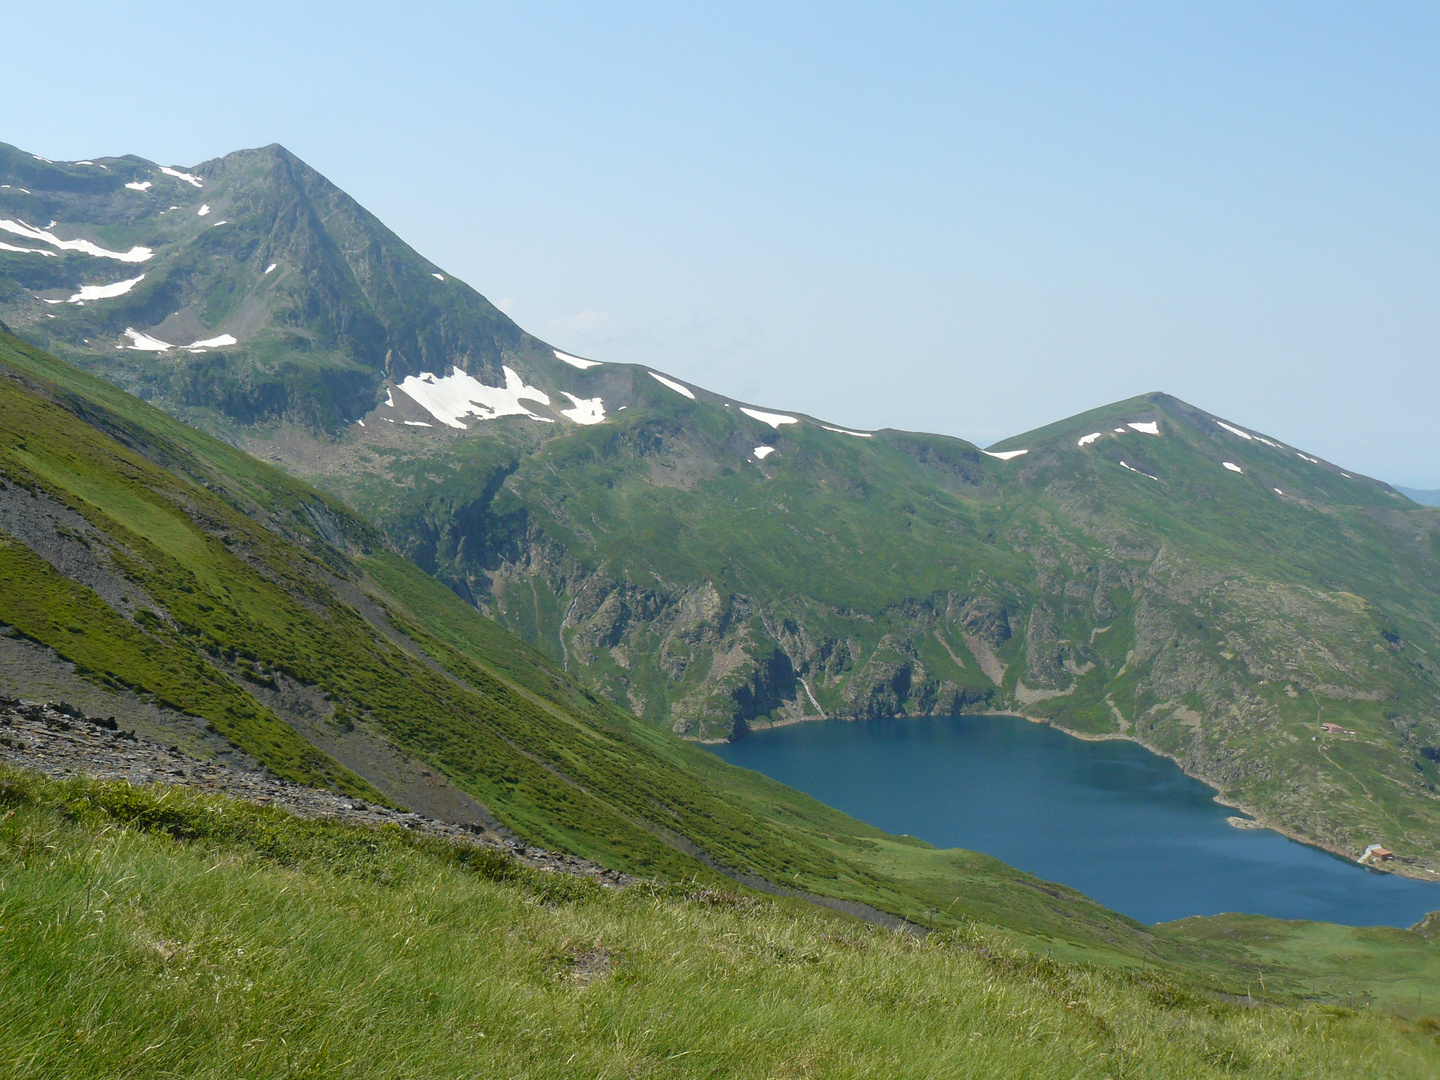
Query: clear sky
[968, 219]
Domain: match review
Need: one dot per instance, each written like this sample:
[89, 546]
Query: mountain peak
[1178, 445]
[249, 281]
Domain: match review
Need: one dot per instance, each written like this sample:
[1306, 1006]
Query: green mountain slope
[184, 580]
[229, 596]
[717, 568]
[1134, 586]
[300, 301]
[204, 938]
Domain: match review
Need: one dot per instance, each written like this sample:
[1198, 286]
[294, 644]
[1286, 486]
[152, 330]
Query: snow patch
[679, 388]
[451, 397]
[775, 420]
[146, 343]
[842, 431]
[212, 343]
[1235, 430]
[1232, 466]
[1278, 491]
[189, 178]
[1005, 455]
[1307, 457]
[19, 228]
[1086, 440]
[100, 292]
[204, 209]
[219, 223]
[25, 251]
[575, 361]
[586, 411]
[1347, 476]
[1267, 442]
[1119, 431]
[418, 423]
[360, 422]
[143, 185]
[269, 268]
[762, 452]
[1148, 427]
[438, 277]
[1126, 465]
[389, 398]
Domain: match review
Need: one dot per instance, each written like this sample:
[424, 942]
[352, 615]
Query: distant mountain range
[1145, 570]
[1424, 498]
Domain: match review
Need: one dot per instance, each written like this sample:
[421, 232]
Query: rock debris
[60, 741]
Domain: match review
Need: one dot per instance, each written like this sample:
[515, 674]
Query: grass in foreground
[150, 933]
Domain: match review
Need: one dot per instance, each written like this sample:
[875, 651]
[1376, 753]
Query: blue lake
[1111, 819]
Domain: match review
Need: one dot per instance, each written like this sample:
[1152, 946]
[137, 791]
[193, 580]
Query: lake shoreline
[1412, 873]
[1120, 823]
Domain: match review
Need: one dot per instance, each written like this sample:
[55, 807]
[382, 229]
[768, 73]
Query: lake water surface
[1111, 819]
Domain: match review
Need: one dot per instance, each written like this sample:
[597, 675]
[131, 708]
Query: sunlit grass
[262, 946]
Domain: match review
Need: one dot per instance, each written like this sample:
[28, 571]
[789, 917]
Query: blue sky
[968, 219]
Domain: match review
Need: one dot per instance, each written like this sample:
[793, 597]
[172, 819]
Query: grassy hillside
[211, 603]
[203, 938]
[302, 302]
